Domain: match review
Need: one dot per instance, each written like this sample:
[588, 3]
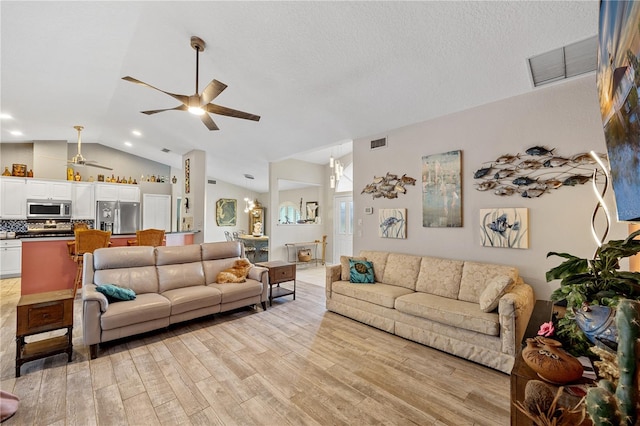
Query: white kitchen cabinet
[117, 192]
[156, 211]
[84, 206]
[48, 190]
[10, 258]
[13, 198]
[129, 193]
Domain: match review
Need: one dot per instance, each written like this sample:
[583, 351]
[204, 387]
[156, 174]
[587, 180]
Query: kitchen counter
[46, 265]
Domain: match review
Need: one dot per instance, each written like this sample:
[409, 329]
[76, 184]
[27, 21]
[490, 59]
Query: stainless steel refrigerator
[118, 217]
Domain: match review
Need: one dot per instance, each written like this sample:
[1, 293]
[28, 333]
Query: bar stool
[87, 240]
[148, 237]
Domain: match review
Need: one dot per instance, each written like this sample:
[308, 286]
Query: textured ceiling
[319, 73]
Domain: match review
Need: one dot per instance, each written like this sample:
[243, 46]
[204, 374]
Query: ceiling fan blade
[155, 111]
[212, 91]
[208, 121]
[217, 109]
[100, 166]
[182, 98]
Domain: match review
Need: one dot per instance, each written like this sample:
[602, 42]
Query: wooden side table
[40, 313]
[280, 272]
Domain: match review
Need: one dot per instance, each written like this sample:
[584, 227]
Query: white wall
[563, 116]
[226, 190]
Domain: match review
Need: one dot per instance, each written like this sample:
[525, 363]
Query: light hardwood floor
[294, 364]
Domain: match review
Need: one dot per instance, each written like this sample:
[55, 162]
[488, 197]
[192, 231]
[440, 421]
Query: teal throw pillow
[113, 292]
[361, 271]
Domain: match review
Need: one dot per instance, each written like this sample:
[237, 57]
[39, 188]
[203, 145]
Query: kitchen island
[47, 266]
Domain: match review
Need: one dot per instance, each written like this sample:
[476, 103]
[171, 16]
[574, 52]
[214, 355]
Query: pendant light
[248, 202]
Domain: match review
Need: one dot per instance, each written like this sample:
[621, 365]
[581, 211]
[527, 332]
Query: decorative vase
[547, 358]
[6, 172]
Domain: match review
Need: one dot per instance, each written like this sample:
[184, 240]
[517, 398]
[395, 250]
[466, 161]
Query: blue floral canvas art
[506, 228]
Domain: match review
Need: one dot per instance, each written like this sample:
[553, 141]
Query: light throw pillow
[361, 272]
[116, 293]
[491, 295]
[346, 268]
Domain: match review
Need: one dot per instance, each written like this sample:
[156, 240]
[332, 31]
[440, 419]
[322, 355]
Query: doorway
[342, 227]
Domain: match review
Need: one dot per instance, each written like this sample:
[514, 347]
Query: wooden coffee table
[280, 272]
[40, 313]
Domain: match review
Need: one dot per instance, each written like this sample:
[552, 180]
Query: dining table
[260, 243]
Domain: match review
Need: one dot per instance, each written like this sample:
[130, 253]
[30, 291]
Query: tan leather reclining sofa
[437, 302]
[172, 284]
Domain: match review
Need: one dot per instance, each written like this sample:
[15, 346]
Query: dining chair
[87, 240]
[150, 237]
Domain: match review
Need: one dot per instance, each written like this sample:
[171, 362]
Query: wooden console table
[293, 248]
[40, 313]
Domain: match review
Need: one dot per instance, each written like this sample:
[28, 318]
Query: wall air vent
[211, 181]
[379, 143]
[564, 62]
[165, 150]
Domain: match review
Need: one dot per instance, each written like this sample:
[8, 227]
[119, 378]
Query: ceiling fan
[78, 159]
[200, 103]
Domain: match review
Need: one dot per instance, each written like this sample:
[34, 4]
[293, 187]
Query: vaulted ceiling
[318, 73]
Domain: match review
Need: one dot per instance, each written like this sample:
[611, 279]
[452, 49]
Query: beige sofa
[172, 284]
[436, 302]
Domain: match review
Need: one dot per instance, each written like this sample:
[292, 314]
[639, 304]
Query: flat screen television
[618, 82]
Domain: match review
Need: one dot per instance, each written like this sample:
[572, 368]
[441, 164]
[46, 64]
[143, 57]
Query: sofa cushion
[180, 275]
[457, 313]
[221, 250]
[141, 279]
[345, 268]
[379, 259]
[476, 277]
[145, 307]
[191, 298]
[213, 267]
[360, 272]
[113, 292]
[378, 293]
[440, 277]
[172, 255]
[491, 295]
[123, 257]
[238, 291]
[402, 270]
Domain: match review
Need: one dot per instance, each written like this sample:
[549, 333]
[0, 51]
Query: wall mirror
[297, 202]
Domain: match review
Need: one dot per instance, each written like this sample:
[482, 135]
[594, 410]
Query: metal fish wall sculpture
[388, 186]
[534, 173]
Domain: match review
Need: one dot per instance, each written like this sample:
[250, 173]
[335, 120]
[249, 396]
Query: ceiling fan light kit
[199, 103]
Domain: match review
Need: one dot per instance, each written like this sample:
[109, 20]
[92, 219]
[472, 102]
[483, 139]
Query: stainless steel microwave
[49, 209]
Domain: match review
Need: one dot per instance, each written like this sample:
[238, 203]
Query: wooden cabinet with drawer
[40, 313]
[280, 272]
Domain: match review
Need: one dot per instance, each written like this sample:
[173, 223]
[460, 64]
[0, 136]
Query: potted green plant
[597, 281]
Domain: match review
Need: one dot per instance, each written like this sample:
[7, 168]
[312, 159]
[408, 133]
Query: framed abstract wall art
[442, 190]
[393, 223]
[226, 211]
[508, 228]
[618, 82]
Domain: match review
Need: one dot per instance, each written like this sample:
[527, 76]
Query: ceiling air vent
[379, 143]
[211, 181]
[165, 150]
[564, 62]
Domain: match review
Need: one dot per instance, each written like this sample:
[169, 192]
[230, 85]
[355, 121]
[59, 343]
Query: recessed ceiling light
[5, 116]
[127, 143]
[16, 133]
[136, 132]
